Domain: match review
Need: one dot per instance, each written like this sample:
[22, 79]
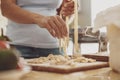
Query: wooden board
[101, 61]
[68, 69]
[98, 57]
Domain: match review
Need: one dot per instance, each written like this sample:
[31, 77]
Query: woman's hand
[54, 24]
[67, 8]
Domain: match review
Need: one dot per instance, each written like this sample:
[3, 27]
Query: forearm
[17, 14]
[54, 24]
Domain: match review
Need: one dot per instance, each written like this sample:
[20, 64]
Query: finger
[55, 28]
[67, 13]
[69, 4]
[51, 31]
[67, 0]
[59, 26]
[68, 9]
[63, 26]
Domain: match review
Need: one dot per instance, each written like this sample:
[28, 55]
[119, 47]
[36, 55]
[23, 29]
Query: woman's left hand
[67, 8]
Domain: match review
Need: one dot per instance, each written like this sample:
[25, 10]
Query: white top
[31, 34]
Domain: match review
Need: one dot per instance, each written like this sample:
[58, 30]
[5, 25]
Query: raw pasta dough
[61, 60]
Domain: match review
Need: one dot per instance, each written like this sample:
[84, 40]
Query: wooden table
[98, 74]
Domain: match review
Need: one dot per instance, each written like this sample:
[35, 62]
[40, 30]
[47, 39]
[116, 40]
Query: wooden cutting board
[100, 63]
[68, 69]
[99, 57]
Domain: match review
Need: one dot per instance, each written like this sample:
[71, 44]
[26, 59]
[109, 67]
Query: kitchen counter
[98, 74]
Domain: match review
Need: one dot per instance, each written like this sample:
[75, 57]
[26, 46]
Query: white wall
[85, 13]
[99, 5]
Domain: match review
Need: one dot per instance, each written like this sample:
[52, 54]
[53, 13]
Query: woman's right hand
[54, 24]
